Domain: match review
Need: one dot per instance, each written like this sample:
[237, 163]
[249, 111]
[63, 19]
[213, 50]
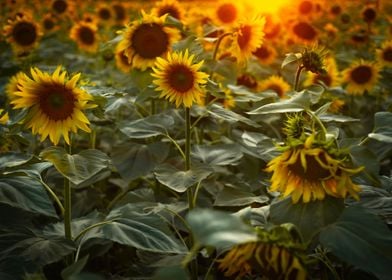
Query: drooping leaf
[33, 170]
[229, 116]
[179, 180]
[337, 118]
[222, 154]
[133, 160]
[361, 239]
[78, 168]
[218, 229]
[27, 194]
[308, 217]
[148, 127]
[291, 58]
[258, 145]
[382, 130]
[12, 159]
[235, 197]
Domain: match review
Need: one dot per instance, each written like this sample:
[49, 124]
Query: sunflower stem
[218, 43]
[54, 196]
[93, 139]
[67, 214]
[297, 75]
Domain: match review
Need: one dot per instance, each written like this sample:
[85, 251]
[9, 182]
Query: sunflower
[276, 84]
[247, 80]
[272, 27]
[14, 85]
[120, 12]
[179, 79]
[304, 32]
[62, 7]
[330, 78]
[384, 54]
[266, 54]
[147, 39]
[3, 117]
[369, 14]
[22, 33]
[275, 255]
[248, 36]
[49, 23]
[104, 13]
[226, 12]
[171, 7]
[85, 35]
[122, 62]
[309, 170]
[55, 104]
[305, 7]
[361, 76]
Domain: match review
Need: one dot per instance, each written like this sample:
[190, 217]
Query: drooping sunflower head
[23, 33]
[54, 102]
[179, 78]
[248, 36]
[330, 78]
[313, 60]
[276, 255]
[147, 39]
[361, 76]
[85, 35]
[266, 54]
[294, 127]
[171, 7]
[384, 54]
[311, 170]
[276, 84]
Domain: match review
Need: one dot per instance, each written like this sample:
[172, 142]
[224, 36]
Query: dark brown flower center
[119, 12]
[247, 80]
[262, 52]
[124, 58]
[172, 11]
[369, 15]
[276, 88]
[361, 74]
[314, 170]
[180, 78]
[272, 31]
[336, 10]
[244, 36]
[150, 40]
[86, 35]
[326, 79]
[305, 31]
[56, 101]
[104, 14]
[24, 33]
[227, 13]
[387, 54]
[59, 6]
[305, 7]
[48, 24]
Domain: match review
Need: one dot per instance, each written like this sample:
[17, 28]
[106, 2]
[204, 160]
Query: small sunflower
[14, 85]
[311, 171]
[384, 54]
[62, 7]
[85, 35]
[55, 104]
[248, 36]
[330, 78]
[276, 255]
[147, 39]
[276, 84]
[49, 23]
[226, 12]
[104, 13]
[305, 7]
[179, 79]
[171, 7]
[369, 14]
[122, 62]
[120, 12]
[361, 76]
[266, 54]
[304, 32]
[22, 33]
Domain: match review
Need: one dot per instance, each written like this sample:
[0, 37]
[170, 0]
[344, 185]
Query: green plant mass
[195, 139]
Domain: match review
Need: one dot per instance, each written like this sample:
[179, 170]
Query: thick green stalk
[188, 153]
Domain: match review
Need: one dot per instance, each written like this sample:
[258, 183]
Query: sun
[267, 6]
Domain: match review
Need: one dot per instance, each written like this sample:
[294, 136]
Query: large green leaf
[309, 217]
[258, 145]
[221, 154]
[133, 160]
[218, 229]
[361, 239]
[229, 116]
[179, 180]
[142, 231]
[27, 194]
[12, 159]
[382, 127]
[363, 156]
[148, 127]
[235, 197]
[78, 168]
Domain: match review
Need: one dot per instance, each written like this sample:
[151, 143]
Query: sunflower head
[122, 62]
[226, 12]
[369, 14]
[85, 35]
[304, 32]
[313, 60]
[171, 7]
[384, 54]
[266, 54]
[311, 169]
[54, 102]
[331, 76]
[179, 78]
[275, 255]
[294, 127]
[361, 76]
[146, 39]
[275, 83]
[247, 80]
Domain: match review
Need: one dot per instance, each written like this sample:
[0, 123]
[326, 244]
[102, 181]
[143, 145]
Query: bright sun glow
[269, 6]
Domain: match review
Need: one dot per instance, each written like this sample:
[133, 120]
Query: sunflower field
[196, 139]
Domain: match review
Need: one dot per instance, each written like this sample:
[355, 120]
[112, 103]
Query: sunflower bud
[312, 61]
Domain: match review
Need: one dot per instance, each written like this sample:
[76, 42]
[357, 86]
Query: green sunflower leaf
[291, 58]
[219, 229]
[234, 197]
[222, 155]
[361, 239]
[179, 180]
[148, 127]
[382, 127]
